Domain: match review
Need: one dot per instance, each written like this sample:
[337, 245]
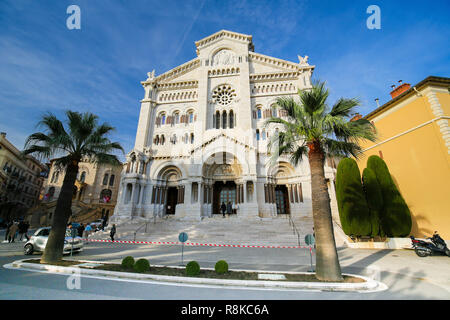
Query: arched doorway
[282, 174]
[169, 192]
[221, 173]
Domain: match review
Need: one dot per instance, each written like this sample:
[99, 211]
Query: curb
[369, 285]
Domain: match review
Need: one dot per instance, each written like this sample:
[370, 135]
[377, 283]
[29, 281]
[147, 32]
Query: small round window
[224, 95]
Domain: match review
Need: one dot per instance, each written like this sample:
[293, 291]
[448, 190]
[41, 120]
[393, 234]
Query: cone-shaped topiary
[374, 200]
[142, 265]
[353, 210]
[395, 216]
[128, 262]
[192, 268]
[221, 267]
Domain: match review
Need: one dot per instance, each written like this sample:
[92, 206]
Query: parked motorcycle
[427, 248]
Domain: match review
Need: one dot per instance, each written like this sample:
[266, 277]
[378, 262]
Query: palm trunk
[54, 249]
[327, 262]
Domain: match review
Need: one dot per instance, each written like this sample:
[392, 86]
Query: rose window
[224, 95]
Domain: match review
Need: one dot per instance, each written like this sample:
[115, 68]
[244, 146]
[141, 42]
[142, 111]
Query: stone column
[141, 193]
[133, 192]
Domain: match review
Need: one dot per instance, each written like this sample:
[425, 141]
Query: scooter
[426, 248]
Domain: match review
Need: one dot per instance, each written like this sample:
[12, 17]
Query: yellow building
[414, 141]
[94, 194]
[21, 181]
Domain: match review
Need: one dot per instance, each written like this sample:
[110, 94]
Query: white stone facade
[201, 137]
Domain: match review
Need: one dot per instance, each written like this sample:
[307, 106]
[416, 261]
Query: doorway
[223, 193]
[282, 199]
[172, 196]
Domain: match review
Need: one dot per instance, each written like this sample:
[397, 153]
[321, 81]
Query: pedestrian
[112, 232]
[80, 230]
[8, 226]
[87, 231]
[22, 229]
[229, 208]
[25, 230]
[12, 232]
[103, 224]
[223, 207]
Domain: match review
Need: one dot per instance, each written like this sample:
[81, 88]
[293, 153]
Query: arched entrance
[169, 192]
[282, 173]
[221, 173]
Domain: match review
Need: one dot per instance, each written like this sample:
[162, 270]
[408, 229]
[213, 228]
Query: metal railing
[140, 227]
[294, 228]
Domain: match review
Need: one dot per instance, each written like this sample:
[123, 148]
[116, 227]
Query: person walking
[23, 228]
[8, 226]
[112, 232]
[87, 231]
[12, 232]
[80, 230]
[229, 208]
[223, 207]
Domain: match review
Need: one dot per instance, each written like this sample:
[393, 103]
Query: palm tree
[312, 129]
[85, 139]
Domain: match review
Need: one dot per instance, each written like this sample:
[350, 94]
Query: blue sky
[44, 66]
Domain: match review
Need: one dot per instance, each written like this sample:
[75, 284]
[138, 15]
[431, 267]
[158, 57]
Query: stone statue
[303, 61]
[151, 75]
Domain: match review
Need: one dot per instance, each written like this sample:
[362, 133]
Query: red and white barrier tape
[199, 244]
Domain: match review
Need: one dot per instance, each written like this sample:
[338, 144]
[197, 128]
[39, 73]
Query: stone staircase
[275, 231]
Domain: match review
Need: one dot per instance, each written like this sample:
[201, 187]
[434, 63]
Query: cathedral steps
[231, 230]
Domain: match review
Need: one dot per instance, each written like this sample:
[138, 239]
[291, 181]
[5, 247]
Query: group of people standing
[227, 208]
[85, 231]
[16, 227]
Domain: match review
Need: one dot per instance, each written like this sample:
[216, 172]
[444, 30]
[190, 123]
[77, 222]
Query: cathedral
[202, 142]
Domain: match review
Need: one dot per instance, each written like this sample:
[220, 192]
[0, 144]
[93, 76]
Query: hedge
[192, 268]
[395, 215]
[352, 205]
[142, 265]
[128, 262]
[374, 201]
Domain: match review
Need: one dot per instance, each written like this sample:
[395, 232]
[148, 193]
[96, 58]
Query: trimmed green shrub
[395, 215]
[142, 265]
[221, 267]
[374, 200]
[352, 205]
[128, 262]
[192, 268]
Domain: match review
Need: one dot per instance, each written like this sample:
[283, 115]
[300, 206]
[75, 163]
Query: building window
[111, 180]
[259, 113]
[257, 134]
[83, 176]
[163, 119]
[191, 117]
[217, 120]
[274, 111]
[105, 195]
[173, 140]
[177, 118]
[231, 121]
[105, 179]
[223, 95]
[192, 138]
[224, 120]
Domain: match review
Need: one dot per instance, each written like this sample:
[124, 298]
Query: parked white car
[38, 241]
